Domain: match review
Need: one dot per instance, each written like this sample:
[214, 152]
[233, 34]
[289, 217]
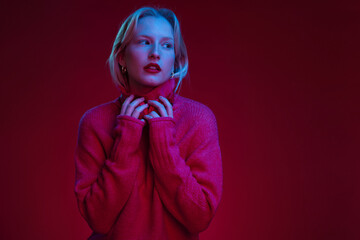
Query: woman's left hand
[165, 109]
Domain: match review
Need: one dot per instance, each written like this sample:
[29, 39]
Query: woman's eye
[168, 45]
[143, 42]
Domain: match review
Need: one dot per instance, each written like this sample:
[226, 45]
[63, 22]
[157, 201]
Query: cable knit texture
[160, 179]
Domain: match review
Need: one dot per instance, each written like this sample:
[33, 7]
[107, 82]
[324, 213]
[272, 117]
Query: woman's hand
[164, 109]
[130, 108]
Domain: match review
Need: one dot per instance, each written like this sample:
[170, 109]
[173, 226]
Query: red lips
[152, 68]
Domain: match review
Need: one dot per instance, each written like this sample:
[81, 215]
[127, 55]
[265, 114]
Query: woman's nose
[154, 52]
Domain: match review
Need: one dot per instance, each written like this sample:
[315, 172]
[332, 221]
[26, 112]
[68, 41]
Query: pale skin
[131, 108]
[153, 42]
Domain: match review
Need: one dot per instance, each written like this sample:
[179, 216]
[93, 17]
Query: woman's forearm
[190, 190]
[103, 185]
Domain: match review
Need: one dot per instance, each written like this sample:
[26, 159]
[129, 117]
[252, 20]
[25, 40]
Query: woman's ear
[120, 59]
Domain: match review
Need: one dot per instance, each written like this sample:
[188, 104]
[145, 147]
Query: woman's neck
[152, 93]
[140, 90]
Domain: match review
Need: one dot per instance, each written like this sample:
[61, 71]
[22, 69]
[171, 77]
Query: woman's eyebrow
[163, 38]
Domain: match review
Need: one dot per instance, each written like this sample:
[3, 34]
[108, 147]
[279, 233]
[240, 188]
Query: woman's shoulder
[101, 114]
[194, 109]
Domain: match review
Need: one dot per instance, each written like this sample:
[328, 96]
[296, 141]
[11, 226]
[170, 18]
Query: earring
[172, 74]
[123, 69]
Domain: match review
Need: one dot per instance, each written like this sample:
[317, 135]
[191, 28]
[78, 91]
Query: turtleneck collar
[166, 90]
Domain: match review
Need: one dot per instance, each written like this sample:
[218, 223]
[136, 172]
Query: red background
[282, 79]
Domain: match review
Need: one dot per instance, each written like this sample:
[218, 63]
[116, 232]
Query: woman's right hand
[130, 108]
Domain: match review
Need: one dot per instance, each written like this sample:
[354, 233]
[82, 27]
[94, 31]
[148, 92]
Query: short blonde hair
[125, 34]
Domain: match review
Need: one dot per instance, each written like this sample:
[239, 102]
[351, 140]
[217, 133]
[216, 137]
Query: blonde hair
[125, 34]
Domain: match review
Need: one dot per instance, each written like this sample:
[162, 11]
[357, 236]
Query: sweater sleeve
[103, 185]
[189, 188]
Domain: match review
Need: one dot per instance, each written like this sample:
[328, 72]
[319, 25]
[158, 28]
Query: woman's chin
[153, 82]
[146, 84]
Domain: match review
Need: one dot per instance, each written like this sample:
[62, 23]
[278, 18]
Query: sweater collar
[166, 90]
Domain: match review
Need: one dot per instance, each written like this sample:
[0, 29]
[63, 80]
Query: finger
[133, 105]
[138, 110]
[159, 107]
[147, 117]
[154, 114]
[168, 106]
[125, 104]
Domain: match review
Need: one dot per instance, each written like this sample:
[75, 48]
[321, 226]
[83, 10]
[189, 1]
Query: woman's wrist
[130, 118]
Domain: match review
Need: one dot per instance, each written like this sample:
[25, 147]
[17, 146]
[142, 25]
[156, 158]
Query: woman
[148, 164]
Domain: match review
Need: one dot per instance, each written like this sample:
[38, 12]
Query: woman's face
[150, 55]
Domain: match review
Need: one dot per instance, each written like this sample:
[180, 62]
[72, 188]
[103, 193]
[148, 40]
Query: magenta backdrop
[281, 78]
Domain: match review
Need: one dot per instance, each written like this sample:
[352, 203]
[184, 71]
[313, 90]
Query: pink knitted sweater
[160, 179]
